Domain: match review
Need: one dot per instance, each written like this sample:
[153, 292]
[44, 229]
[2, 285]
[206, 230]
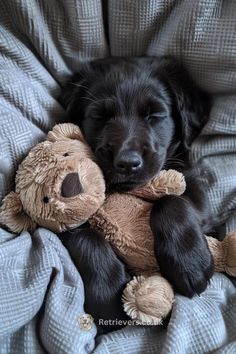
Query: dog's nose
[128, 161]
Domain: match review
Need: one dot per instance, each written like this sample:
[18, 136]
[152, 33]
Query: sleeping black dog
[141, 115]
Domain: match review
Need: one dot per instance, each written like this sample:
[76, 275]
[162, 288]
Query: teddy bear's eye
[45, 200]
[66, 154]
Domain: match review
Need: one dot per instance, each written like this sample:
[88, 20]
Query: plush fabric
[49, 172]
[41, 44]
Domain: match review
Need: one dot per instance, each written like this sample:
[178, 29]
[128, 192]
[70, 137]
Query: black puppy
[141, 115]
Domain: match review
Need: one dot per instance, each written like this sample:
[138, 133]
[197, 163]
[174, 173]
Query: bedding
[41, 45]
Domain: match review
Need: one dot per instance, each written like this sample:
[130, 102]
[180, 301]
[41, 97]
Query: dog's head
[134, 112]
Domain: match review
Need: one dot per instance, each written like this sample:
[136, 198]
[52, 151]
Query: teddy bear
[59, 186]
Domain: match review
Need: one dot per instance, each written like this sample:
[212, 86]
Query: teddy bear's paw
[173, 181]
[229, 244]
[147, 300]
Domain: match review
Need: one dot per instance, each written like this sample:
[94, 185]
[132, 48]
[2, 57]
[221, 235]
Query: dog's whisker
[85, 87]
[91, 96]
[171, 164]
[88, 98]
[104, 99]
[174, 159]
[175, 162]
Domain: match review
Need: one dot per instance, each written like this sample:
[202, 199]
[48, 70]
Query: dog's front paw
[188, 273]
[180, 247]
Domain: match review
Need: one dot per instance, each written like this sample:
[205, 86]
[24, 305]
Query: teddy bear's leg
[224, 253]
[148, 299]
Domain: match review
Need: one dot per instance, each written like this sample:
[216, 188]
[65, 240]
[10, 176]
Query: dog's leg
[104, 276]
[180, 247]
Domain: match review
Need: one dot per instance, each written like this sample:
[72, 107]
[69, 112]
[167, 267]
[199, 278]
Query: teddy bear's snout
[71, 185]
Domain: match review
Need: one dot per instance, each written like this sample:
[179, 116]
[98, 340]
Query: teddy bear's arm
[167, 182]
[13, 216]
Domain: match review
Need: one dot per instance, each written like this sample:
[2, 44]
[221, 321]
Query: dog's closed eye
[154, 110]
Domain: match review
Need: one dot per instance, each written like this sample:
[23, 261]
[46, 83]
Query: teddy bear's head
[58, 184]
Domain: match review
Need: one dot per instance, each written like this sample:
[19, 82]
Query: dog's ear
[190, 104]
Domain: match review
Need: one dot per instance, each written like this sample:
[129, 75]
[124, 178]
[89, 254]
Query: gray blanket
[41, 44]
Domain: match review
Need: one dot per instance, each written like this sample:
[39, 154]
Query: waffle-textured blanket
[41, 45]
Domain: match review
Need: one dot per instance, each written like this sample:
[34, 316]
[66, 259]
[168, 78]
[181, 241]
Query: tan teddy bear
[59, 186]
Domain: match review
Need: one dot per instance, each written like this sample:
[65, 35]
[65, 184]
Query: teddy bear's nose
[71, 185]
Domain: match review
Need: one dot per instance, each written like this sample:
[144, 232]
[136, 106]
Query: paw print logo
[86, 322]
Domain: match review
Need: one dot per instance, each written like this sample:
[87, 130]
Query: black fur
[141, 115]
[104, 276]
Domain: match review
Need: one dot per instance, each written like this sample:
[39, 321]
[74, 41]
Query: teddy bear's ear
[65, 131]
[13, 216]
